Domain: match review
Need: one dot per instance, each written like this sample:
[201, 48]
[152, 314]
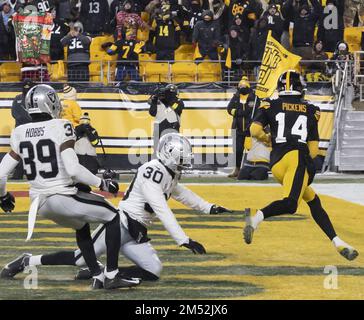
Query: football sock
[257, 218]
[35, 260]
[112, 239]
[339, 243]
[100, 276]
[111, 274]
[84, 242]
[65, 258]
[321, 218]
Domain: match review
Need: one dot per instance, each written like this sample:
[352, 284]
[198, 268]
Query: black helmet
[171, 88]
[290, 83]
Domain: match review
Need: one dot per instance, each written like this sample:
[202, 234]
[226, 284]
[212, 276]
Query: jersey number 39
[43, 152]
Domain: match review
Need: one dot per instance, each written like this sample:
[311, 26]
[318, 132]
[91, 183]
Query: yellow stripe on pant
[288, 172]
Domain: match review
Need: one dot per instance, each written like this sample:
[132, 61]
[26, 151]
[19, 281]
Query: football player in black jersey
[294, 137]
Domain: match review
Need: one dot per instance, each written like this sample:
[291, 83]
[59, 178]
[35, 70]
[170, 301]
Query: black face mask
[244, 90]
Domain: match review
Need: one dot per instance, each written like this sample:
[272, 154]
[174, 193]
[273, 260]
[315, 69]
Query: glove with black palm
[7, 202]
[110, 186]
[194, 246]
[215, 209]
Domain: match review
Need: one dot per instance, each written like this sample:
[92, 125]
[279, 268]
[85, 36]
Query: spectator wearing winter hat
[71, 110]
[305, 21]
[7, 35]
[317, 69]
[258, 39]
[240, 108]
[206, 37]
[331, 26]
[275, 21]
[236, 50]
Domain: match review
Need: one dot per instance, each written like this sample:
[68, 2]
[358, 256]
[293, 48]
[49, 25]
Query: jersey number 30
[44, 152]
[156, 175]
[298, 129]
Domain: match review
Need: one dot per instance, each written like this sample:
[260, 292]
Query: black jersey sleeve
[261, 115]
[313, 120]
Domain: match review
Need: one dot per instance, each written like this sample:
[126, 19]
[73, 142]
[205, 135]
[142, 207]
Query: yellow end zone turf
[285, 261]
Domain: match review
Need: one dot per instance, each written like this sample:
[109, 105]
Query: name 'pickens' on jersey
[38, 144]
[292, 121]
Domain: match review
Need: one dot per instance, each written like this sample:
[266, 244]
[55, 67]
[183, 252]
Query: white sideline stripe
[351, 192]
[149, 143]
[206, 104]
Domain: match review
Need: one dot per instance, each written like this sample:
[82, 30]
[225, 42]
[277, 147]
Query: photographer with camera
[167, 108]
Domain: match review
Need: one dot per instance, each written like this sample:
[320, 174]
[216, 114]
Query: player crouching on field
[46, 148]
[146, 197]
[294, 136]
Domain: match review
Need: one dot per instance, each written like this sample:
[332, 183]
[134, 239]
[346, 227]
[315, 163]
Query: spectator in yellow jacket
[71, 109]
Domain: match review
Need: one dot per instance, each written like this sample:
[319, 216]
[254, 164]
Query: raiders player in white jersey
[154, 183]
[45, 146]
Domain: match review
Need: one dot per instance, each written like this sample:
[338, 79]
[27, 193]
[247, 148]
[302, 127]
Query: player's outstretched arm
[7, 165]
[153, 193]
[195, 202]
[80, 174]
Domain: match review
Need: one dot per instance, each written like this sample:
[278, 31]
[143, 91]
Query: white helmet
[175, 152]
[43, 99]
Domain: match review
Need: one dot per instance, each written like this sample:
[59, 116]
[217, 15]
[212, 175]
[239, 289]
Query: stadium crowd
[224, 30]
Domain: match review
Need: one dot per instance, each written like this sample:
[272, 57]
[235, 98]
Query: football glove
[218, 209]
[110, 186]
[7, 202]
[194, 246]
[109, 174]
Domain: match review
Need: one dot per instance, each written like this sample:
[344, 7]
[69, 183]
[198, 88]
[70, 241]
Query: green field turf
[286, 260]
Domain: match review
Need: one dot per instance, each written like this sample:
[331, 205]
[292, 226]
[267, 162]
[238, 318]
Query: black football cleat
[120, 282]
[16, 266]
[97, 284]
[85, 274]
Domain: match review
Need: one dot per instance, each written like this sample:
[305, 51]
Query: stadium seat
[156, 72]
[10, 72]
[183, 56]
[208, 72]
[185, 48]
[352, 36]
[95, 72]
[184, 72]
[56, 71]
[144, 58]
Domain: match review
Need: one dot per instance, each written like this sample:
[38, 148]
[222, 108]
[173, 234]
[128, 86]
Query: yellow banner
[276, 60]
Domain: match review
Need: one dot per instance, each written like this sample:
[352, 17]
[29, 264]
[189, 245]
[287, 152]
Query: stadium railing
[177, 71]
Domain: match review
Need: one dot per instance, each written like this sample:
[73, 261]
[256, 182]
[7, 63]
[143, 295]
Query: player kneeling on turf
[154, 183]
[46, 148]
[294, 136]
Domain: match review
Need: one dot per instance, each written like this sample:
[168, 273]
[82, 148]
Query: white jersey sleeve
[154, 195]
[190, 199]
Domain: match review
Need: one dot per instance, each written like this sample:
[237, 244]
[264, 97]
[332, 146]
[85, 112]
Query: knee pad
[290, 205]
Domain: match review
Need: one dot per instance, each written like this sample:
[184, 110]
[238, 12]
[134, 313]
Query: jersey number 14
[298, 129]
